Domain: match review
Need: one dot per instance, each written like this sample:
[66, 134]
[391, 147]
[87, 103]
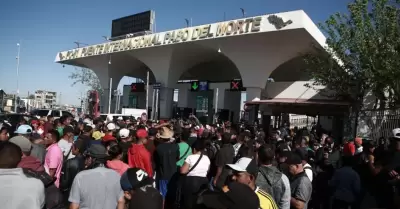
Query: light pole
[78, 44]
[16, 95]
[243, 12]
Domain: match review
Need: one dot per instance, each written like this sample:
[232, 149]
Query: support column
[166, 100]
[251, 94]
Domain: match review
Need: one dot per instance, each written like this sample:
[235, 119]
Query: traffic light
[137, 87]
[236, 85]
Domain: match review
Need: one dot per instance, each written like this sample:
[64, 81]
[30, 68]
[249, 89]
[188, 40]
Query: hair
[55, 134]
[266, 154]
[10, 155]
[114, 151]
[49, 117]
[81, 145]
[199, 145]
[226, 138]
[63, 119]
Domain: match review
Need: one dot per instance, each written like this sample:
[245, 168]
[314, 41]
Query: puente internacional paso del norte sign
[223, 29]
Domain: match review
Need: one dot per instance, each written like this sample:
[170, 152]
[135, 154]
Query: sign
[132, 24]
[157, 86]
[278, 22]
[236, 85]
[203, 85]
[224, 29]
[194, 86]
[137, 87]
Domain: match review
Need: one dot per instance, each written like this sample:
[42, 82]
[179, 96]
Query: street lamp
[78, 44]
[16, 95]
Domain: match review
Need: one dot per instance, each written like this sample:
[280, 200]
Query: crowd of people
[138, 163]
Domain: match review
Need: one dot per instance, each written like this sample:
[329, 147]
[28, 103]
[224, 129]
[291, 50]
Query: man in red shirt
[138, 155]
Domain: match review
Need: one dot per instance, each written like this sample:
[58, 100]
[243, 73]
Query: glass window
[55, 113]
[40, 113]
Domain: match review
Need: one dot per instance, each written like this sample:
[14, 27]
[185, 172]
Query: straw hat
[165, 133]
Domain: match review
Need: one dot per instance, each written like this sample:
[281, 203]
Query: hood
[117, 165]
[271, 174]
[136, 148]
[31, 163]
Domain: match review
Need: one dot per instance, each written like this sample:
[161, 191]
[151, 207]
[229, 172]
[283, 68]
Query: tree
[86, 77]
[362, 54]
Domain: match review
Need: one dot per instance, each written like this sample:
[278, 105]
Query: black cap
[97, 151]
[293, 159]
[134, 178]
[234, 196]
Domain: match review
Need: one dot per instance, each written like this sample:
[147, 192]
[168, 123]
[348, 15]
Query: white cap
[124, 133]
[109, 118]
[119, 118]
[87, 120]
[111, 126]
[396, 133]
[242, 165]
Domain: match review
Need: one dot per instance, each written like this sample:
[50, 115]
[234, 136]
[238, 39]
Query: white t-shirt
[65, 147]
[202, 167]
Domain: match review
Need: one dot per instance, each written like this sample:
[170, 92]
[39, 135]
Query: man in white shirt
[66, 142]
[17, 191]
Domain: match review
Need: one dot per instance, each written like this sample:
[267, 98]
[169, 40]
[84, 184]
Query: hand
[393, 174]
[215, 182]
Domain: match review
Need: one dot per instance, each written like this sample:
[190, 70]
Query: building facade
[45, 99]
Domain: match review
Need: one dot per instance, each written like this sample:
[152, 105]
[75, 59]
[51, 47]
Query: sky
[45, 27]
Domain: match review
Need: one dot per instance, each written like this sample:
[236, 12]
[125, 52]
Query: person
[48, 126]
[233, 196]
[54, 156]
[17, 190]
[300, 185]
[4, 134]
[115, 153]
[271, 180]
[38, 148]
[346, 185]
[245, 172]
[165, 157]
[95, 182]
[195, 170]
[65, 142]
[225, 156]
[138, 155]
[184, 150]
[72, 167]
[27, 161]
[138, 190]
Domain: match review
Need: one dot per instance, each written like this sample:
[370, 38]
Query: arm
[147, 163]
[55, 158]
[121, 203]
[301, 194]
[285, 200]
[185, 168]
[74, 206]
[295, 203]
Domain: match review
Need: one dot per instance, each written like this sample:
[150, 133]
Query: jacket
[69, 170]
[139, 157]
[275, 183]
[31, 163]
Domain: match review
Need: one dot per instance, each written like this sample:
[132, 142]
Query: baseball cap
[23, 129]
[245, 164]
[134, 178]
[141, 133]
[97, 151]
[396, 133]
[234, 196]
[293, 159]
[124, 133]
[111, 126]
[22, 142]
[97, 135]
[108, 138]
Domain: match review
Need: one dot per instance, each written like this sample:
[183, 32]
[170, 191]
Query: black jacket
[68, 172]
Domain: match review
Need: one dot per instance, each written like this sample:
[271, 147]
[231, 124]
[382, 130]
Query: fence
[373, 124]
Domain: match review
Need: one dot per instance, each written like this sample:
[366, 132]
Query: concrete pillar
[183, 96]
[251, 94]
[166, 102]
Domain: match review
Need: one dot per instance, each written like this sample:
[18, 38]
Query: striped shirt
[266, 200]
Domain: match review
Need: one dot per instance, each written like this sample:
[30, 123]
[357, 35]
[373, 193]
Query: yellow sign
[234, 27]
